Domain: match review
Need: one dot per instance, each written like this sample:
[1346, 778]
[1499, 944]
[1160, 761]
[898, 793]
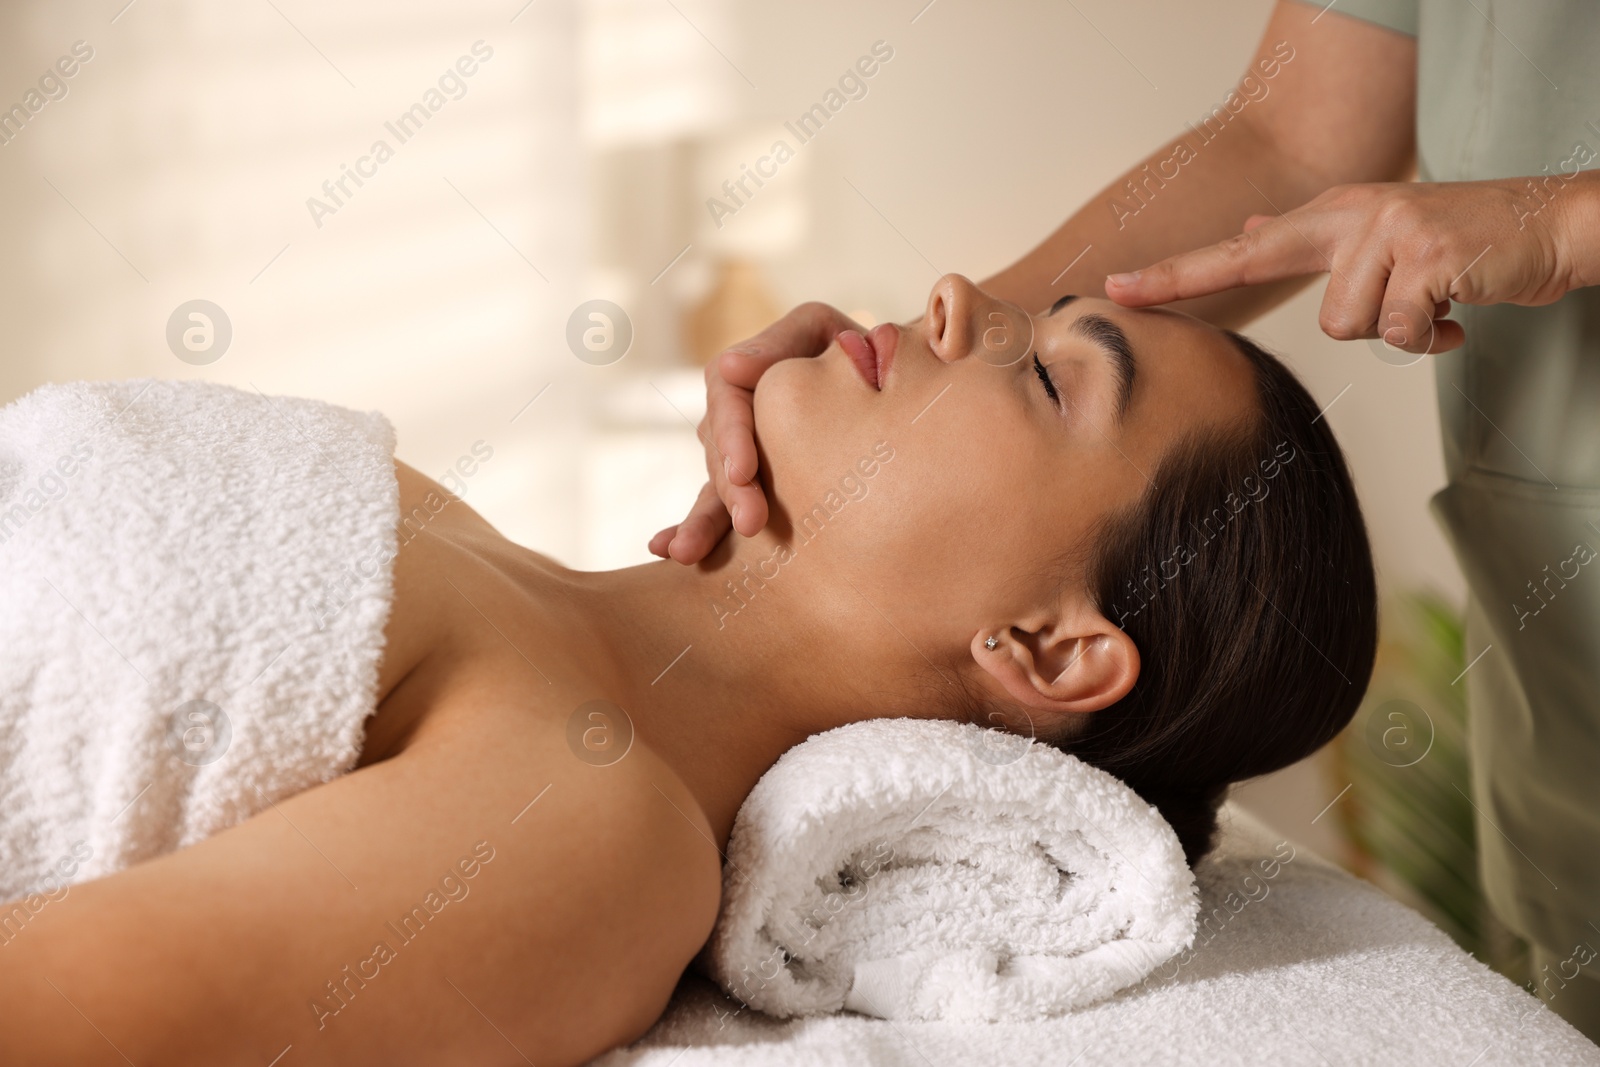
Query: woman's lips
[885, 337]
[872, 352]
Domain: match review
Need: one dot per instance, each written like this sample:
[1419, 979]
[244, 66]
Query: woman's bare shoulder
[443, 548]
[423, 500]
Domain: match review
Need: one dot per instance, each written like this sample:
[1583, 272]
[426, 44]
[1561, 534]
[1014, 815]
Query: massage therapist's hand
[733, 495]
[1398, 253]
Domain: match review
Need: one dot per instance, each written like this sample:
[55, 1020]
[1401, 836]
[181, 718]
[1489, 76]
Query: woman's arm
[415, 911]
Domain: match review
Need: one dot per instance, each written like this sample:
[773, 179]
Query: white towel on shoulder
[194, 582]
[916, 869]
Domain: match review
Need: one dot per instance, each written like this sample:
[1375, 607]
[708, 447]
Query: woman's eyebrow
[1059, 304]
[1109, 338]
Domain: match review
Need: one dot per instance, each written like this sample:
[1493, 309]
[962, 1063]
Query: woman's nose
[950, 309]
[964, 321]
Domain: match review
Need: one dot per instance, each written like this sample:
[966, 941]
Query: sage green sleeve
[1398, 15]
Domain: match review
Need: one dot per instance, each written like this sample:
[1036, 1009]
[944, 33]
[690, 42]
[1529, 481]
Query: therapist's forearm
[1326, 100]
[1207, 199]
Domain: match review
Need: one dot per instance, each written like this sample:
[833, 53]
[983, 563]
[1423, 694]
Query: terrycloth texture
[1296, 964]
[912, 869]
[163, 543]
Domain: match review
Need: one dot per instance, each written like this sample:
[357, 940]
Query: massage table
[1296, 963]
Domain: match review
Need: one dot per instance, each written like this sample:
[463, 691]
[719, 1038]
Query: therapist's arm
[1340, 111]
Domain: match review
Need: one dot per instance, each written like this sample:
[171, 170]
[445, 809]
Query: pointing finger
[1273, 250]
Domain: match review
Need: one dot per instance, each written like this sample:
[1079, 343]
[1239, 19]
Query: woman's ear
[1078, 664]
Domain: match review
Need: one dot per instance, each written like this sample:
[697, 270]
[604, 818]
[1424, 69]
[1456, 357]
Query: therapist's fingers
[1364, 300]
[721, 504]
[733, 497]
[728, 433]
[1353, 299]
[662, 539]
[745, 363]
[806, 330]
[1411, 317]
[729, 425]
[1372, 298]
[736, 485]
[1276, 248]
[692, 540]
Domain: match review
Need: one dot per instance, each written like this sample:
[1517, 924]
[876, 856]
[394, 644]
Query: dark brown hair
[1245, 579]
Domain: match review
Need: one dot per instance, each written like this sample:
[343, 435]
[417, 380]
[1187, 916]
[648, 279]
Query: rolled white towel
[916, 869]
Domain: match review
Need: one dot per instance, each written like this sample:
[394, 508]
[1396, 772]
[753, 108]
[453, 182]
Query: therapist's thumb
[805, 331]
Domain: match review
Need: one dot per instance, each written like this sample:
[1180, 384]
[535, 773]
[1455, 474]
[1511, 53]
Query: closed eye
[1044, 376]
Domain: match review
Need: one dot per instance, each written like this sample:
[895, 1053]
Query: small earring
[991, 644]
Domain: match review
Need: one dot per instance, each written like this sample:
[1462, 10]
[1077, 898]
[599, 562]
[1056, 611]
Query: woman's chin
[793, 416]
[820, 443]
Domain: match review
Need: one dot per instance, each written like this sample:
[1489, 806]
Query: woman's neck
[723, 666]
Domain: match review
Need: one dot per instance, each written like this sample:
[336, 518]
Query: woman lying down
[302, 758]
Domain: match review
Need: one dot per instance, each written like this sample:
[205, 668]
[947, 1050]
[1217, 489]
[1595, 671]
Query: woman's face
[945, 467]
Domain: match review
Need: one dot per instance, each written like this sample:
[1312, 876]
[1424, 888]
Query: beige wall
[179, 164]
